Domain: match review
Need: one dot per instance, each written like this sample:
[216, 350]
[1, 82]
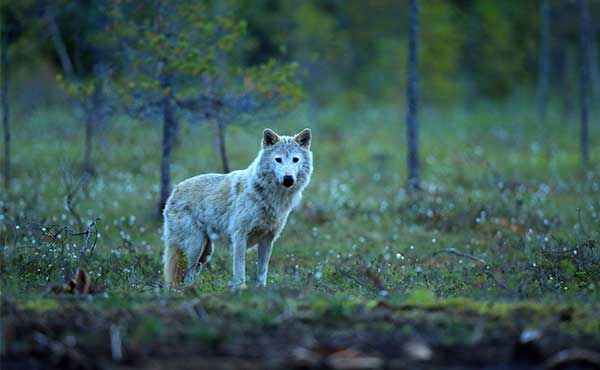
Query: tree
[164, 47]
[234, 94]
[217, 123]
[412, 96]
[251, 94]
[595, 68]
[10, 31]
[544, 59]
[90, 97]
[13, 28]
[173, 49]
[83, 82]
[584, 78]
[4, 29]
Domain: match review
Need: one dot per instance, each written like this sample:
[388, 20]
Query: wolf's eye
[278, 159]
[296, 159]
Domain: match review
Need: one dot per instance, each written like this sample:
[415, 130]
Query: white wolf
[244, 208]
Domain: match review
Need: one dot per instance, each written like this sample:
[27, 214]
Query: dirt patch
[196, 334]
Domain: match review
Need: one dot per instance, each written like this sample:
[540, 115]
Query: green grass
[504, 191]
[490, 189]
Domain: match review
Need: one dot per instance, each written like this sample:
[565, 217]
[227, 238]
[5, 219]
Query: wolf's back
[193, 190]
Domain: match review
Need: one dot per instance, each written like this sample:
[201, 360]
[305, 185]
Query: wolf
[243, 208]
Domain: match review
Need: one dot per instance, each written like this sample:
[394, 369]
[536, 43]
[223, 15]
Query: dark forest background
[347, 50]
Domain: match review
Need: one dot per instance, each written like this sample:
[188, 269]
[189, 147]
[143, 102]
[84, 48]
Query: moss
[42, 304]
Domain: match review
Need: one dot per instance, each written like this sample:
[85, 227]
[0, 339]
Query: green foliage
[441, 44]
[442, 41]
[188, 49]
[502, 49]
[172, 40]
[82, 90]
[476, 47]
[275, 81]
[317, 28]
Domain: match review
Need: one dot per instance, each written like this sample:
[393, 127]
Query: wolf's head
[286, 161]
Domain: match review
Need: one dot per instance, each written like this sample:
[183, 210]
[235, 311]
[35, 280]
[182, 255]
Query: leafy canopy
[187, 49]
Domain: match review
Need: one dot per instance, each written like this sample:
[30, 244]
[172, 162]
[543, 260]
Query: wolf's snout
[288, 181]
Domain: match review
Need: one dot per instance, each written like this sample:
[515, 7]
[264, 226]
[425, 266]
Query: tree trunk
[544, 61]
[220, 10]
[412, 97]
[59, 44]
[221, 144]
[87, 150]
[169, 124]
[560, 71]
[90, 129]
[595, 70]
[564, 63]
[176, 133]
[584, 78]
[4, 102]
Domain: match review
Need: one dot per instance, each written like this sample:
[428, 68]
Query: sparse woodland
[452, 220]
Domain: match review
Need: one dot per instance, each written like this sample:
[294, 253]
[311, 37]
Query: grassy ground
[502, 242]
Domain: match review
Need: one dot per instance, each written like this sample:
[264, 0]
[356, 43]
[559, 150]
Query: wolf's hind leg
[206, 253]
[172, 269]
[196, 246]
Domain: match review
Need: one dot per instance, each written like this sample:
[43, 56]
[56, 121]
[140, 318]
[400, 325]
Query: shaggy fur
[243, 208]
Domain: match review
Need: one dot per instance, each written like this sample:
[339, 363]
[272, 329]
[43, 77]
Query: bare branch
[72, 192]
[91, 229]
[482, 263]
[461, 254]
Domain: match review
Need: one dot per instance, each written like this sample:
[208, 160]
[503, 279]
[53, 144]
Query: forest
[452, 220]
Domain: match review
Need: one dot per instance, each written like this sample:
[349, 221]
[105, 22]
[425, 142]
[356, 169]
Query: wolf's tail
[172, 264]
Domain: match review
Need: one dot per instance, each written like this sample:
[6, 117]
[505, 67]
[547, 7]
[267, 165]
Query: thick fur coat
[243, 208]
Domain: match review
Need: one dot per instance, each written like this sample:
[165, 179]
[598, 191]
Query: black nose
[288, 181]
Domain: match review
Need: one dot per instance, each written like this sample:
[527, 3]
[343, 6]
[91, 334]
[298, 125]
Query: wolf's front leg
[239, 261]
[265, 247]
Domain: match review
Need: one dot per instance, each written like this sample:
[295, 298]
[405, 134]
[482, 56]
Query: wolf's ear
[270, 138]
[303, 138]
